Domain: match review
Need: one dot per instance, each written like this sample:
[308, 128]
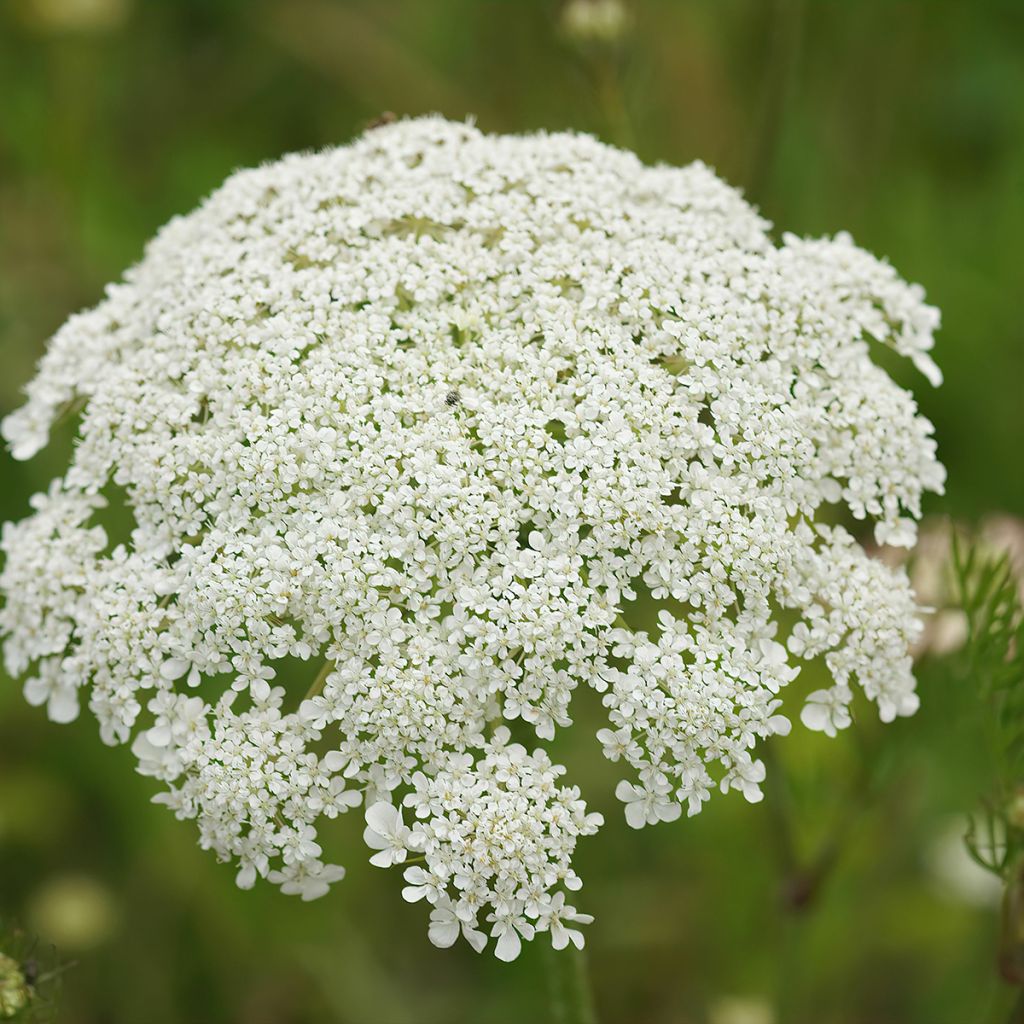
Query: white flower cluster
[451, 417]
[494, 832]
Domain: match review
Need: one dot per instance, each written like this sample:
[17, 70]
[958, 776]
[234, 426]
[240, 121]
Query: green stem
[794, 888]
[318, 684]
[778, 805]
[612, 101]
[55, 972]
[803, 877]
[556, 987]
[569, 991]
[1017, 1010]
[779, 81]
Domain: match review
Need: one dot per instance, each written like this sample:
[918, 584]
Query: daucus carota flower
[433, 412]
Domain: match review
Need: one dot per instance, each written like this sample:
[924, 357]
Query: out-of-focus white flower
[75, 15]
[604, 21]
[59, 695]
[431, 411]
[931, 573]
[827, 710]
[955, 874]
[74, 912]
[741, 1010]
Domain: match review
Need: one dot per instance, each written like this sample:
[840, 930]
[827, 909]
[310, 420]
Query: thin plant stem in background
[993, 667]
[317, 685]
[569, 988]
[802, 879]
[600, 31]
[1017, 1010]
[611, 96]
[785, 35]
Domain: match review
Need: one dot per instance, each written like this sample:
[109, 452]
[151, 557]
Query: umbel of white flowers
[434, 411]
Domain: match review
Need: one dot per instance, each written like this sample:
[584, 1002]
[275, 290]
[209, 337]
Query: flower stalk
[569, 986]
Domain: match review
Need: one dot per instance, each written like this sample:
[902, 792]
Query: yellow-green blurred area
[902, 122]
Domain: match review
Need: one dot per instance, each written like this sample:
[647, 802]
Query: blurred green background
[902, 122]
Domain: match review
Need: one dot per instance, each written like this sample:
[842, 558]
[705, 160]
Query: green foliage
[989, 594]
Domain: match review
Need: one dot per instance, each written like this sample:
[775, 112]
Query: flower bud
[15, 991]
[595, 21]
[1015, 809]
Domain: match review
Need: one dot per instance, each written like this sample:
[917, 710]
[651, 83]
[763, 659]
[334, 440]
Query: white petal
[668, 811]
[63, 705]
[36, 691]
[443, 933]
[312, 889]
[382, 818]
[384, 859]
[159, 735]
[627, 792]
[926, 365]
[476, 939]
[509, 945]
[559, 935]
[636, 815]
[174, 668]
[246, 877]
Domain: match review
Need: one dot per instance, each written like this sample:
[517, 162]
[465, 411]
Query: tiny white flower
[308, 880]
[422, 885]
[446, 926]
[618, 743]
[827, 710]
[646, 806]
[510, 930]
[59, 696]
[900, 534]
[385, 831]
[556, 916]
